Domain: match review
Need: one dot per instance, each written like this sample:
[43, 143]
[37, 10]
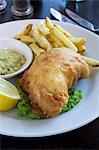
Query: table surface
[84, 137]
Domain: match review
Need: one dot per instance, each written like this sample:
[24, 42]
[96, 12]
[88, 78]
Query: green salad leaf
[24, 108]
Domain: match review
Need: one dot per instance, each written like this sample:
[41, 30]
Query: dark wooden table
[86, 137]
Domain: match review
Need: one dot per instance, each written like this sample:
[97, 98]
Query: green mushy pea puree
[10, 61]
[24, 108]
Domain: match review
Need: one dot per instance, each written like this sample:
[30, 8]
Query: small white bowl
[12, 44]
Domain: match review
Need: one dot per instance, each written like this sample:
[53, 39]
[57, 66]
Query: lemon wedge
[8, 95]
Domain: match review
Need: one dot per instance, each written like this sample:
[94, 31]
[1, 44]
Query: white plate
[86, 111]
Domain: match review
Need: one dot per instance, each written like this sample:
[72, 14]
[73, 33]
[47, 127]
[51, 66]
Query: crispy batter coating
[49, 77]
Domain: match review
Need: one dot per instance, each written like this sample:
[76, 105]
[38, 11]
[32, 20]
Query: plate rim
[13, 134]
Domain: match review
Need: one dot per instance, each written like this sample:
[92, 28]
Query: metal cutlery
[81, 21]
[60, 16]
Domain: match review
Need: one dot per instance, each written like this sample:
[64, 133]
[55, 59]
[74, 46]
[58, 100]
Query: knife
[81, 21]
[60, 16]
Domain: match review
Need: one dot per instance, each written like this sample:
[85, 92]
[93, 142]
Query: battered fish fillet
[50, 76]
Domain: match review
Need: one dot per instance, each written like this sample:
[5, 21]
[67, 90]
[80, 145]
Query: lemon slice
[8, 95]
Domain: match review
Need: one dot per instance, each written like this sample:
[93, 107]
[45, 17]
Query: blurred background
[41, 8]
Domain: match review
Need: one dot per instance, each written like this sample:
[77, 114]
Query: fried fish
[50, 76]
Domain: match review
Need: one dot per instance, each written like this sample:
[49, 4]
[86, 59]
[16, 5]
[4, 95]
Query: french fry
[27, 39]
[41, 40]
[26, 32]
[27, 29]
[48, 36]
[50, 39]
[54, 45]
[18, 36]
[92, 62]
[49, 23]
[67, 34]
[36, 49]
[43, 29]
[57, 41]
[81, 48]
[78, 41]
[56, 32]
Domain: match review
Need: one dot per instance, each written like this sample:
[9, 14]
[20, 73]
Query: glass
[3, 4]
[21, 8]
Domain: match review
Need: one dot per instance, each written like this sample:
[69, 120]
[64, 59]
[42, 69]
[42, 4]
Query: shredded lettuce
[24, 108]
